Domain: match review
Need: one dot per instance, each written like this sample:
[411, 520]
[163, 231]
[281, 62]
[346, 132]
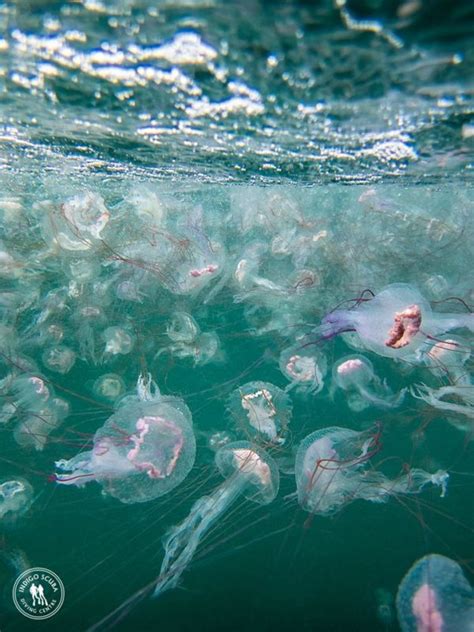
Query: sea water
[189, 191]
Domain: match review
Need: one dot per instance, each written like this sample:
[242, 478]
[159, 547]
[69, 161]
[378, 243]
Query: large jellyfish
[330, 472]
[395, 323]
[143, 451]
[249, 472]
[261, 410]
[434, 596]
[356, 375]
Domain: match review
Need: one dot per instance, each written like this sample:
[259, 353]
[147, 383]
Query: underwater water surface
[236, 313]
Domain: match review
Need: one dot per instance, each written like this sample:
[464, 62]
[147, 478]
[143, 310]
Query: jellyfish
[36, 425]
[305, 367]
[250, 472]
[59, 359]
[143, 451]
[189, 342]
[109, 387]
[385, 608]
[448, 357]
[16, 497]
[395, 323]
[261, 410]
[355, 375]
[434, 596]
[330, 472]
[118, 341]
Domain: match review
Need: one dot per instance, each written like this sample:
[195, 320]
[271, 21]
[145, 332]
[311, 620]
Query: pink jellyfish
[395, 322]
[355, 375]
[143, 451]
[249, 472]
[434, 596]
[331, 471]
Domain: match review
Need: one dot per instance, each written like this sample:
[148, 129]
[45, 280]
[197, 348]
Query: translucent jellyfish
[189, 342]
[395, 322]
[87, 213]
[261, 410]
[109, 387]
[35, 426]
[16, 497]
[385, 608]
[118, 341]
[330, 472]
[59, 359]
[447, 359]
[304, 367]
[249, 472]
[355, 375]
[143, 451]
[434, 596]
[30, 391]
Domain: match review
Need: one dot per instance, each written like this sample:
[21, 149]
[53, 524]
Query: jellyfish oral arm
[183, 540]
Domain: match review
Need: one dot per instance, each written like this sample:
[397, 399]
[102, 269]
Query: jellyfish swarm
[143, 451]
[395, 323]
[330, 471]
[249, 472]
[434, 596]
[304, 367]
[356, 375]
[261, 410]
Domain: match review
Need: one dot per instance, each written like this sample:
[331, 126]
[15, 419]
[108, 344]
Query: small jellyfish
[385, 608]
[189, 342]
[447, 358]
[355, 375]
[434, 596]
[118, 341]
[30, 391]
[261, 410]
[305, 367]
[330, 472]
[249, 472]
[182, 328]
[16, 497]
[109, 387]
[395, 322]
[143, 451]
[35, 426]
[87, 214]
[59, 359]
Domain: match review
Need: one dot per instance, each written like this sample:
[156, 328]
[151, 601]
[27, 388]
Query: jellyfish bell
[434, 596]
[261, 410]
[16, 497]
[395, 322]
[356, 376]
[143, 451]
[330, 471]
[249, 472]
[304, 367]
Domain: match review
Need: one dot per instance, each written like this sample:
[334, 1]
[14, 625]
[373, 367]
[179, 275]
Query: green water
[347, 126]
